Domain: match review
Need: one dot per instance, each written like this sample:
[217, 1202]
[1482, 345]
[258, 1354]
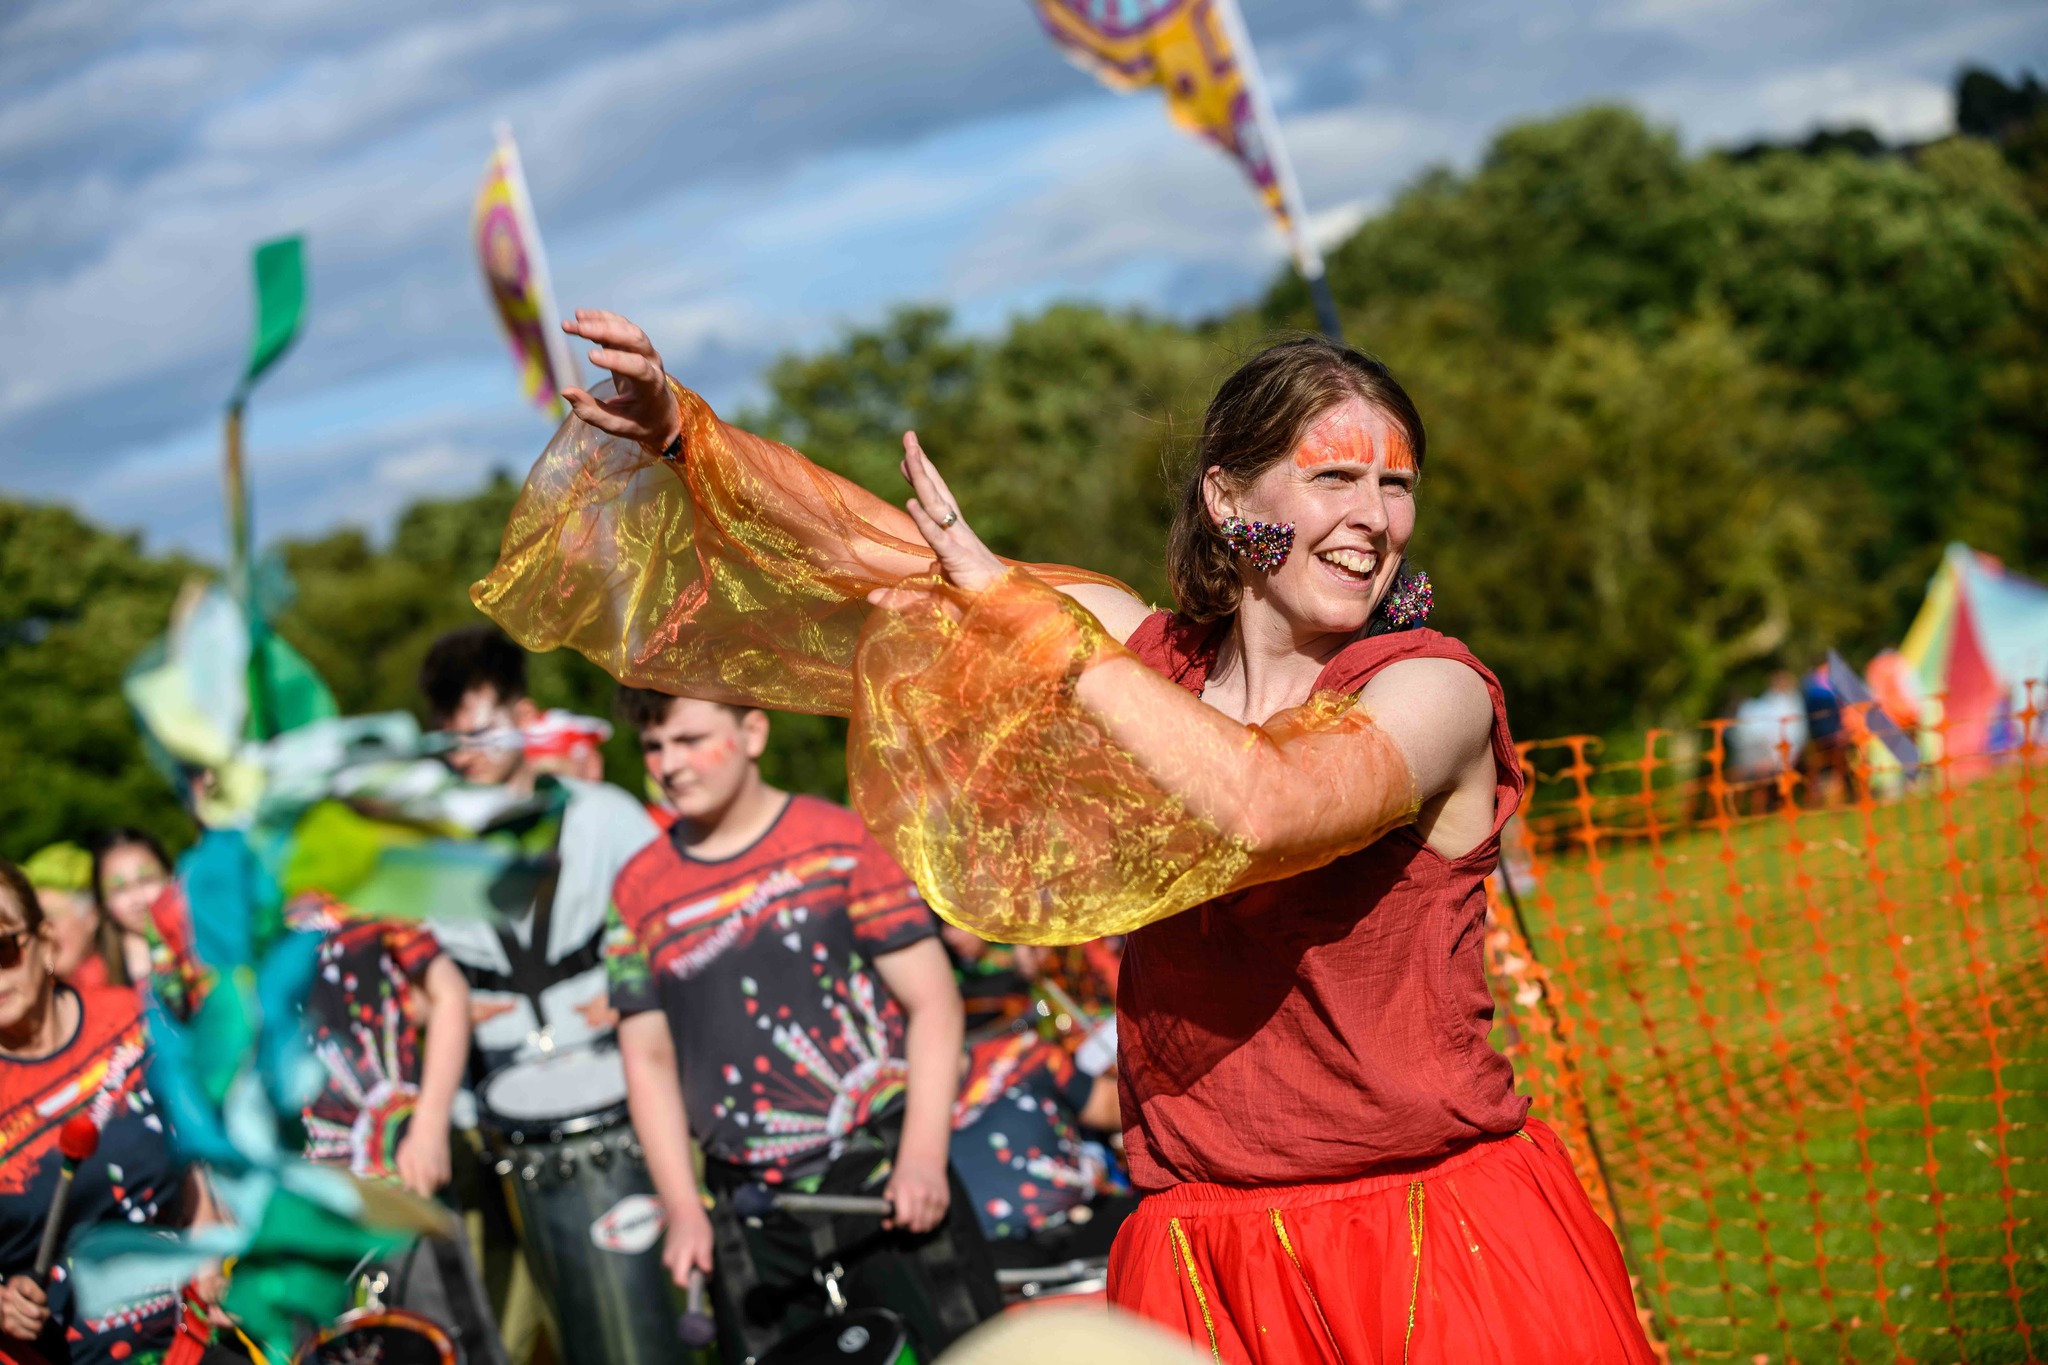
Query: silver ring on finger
[947, 521]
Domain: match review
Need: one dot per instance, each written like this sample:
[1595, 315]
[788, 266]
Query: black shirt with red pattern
[134, 1177]
[786, 1038]
[1017, 1141]
[362, 1021]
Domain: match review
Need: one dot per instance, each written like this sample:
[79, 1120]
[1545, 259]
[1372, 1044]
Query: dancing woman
[1285, 793]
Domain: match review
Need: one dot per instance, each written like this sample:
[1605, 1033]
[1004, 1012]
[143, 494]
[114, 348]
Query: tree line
[1692, 417]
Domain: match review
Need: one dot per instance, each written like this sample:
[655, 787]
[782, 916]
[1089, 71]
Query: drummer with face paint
[787, 1002]
[536, 978]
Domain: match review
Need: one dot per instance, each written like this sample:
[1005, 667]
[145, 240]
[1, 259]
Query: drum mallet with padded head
[78, 1139]
[695, 1327]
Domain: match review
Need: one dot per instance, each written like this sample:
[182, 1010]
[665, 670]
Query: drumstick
[753, 1201]
[695, 1327]
[78, 1139]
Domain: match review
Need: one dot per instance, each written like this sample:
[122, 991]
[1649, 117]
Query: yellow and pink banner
[1200, 57]
[515, 270]
[1188, 50]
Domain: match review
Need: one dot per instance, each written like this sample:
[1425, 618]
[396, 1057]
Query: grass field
[1813, 1048]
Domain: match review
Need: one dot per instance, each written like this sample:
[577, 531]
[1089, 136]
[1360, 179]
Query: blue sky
[743, 176]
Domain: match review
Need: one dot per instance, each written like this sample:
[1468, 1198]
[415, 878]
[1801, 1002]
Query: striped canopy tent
[1980, 638]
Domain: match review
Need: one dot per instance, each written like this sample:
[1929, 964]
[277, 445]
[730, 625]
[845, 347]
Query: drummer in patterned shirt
[785, 998]
[388, 1019]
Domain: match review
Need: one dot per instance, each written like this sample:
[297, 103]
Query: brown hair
[642, 707]
[465, 659]
[17, 883]
[107, 933]
[1256, 420]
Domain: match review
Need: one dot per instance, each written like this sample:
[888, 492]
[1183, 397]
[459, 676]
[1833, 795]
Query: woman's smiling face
[24, 975]
[1349, 490]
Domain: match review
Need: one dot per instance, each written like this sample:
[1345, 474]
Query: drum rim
[526, 1128]
[355, 1318]
[536, 1131]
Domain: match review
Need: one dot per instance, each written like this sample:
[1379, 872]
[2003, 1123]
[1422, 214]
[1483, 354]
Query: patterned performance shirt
[133, 1178]
[360, 1020]
[1017, 1142]
[764, 965]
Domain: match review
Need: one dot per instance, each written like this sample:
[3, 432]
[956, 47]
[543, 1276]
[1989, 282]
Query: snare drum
[866, 1336]
[588, 1218]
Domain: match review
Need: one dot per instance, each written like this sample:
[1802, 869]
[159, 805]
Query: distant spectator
[1769, 732]
[62, 875]
[1826, 760]
[130, 870]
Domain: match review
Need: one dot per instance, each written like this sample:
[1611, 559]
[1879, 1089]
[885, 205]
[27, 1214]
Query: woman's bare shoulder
[1120, 612]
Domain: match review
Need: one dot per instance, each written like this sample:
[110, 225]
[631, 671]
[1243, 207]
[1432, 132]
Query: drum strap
[953, 1262]
[530, 973]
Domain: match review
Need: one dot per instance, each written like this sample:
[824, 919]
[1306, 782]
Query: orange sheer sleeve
[1041, 785]
[1038, 782]
[739, 574]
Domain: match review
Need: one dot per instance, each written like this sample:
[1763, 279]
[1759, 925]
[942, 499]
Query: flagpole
[568, 374]
[1307, 259]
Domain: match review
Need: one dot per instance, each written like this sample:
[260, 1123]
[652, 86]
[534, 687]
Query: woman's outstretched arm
[684, 554]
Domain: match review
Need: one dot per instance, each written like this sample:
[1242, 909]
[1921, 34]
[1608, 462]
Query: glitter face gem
[1409, 602]
[1263, 543]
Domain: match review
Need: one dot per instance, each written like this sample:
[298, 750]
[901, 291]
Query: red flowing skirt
[1492, 1254]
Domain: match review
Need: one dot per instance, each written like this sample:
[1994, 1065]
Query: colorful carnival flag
[1200, 56]
[516, 271]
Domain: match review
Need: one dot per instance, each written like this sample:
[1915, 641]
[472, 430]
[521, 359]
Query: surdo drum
[866, 1336]
[588, 1217]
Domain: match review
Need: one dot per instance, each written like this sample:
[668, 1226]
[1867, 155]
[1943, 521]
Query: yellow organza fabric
[738, 574]
[1038, 782]
[1041, 785]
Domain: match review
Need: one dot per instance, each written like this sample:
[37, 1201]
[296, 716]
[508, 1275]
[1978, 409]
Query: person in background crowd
[542, 976]
[785, 999]
[1037, 1183]
[129, 872]
[994, 978]
[66, 1051]
[388, 1019]
[1826, 761]
[537, 981]
[1767, 738]
[84, 954]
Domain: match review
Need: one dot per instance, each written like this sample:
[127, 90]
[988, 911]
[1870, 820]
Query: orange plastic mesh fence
[1803, 1026]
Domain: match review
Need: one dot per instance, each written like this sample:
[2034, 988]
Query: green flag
[280, 303]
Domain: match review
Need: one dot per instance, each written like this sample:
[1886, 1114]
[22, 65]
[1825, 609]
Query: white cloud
[121, 93]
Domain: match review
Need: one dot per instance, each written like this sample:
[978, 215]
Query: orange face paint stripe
[1349, 443]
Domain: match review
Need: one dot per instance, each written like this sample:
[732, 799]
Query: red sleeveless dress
[1336, 1163]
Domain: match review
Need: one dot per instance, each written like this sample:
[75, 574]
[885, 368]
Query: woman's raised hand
[644, 408]
[963, 559]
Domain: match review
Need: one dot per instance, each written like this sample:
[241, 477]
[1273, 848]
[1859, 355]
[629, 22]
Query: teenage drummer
[537, 980]
[785, 998]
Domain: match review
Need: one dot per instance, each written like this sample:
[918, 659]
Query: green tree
[76, 606]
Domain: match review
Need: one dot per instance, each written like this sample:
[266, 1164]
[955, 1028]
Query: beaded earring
[1263, 543]
[1407, 603]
